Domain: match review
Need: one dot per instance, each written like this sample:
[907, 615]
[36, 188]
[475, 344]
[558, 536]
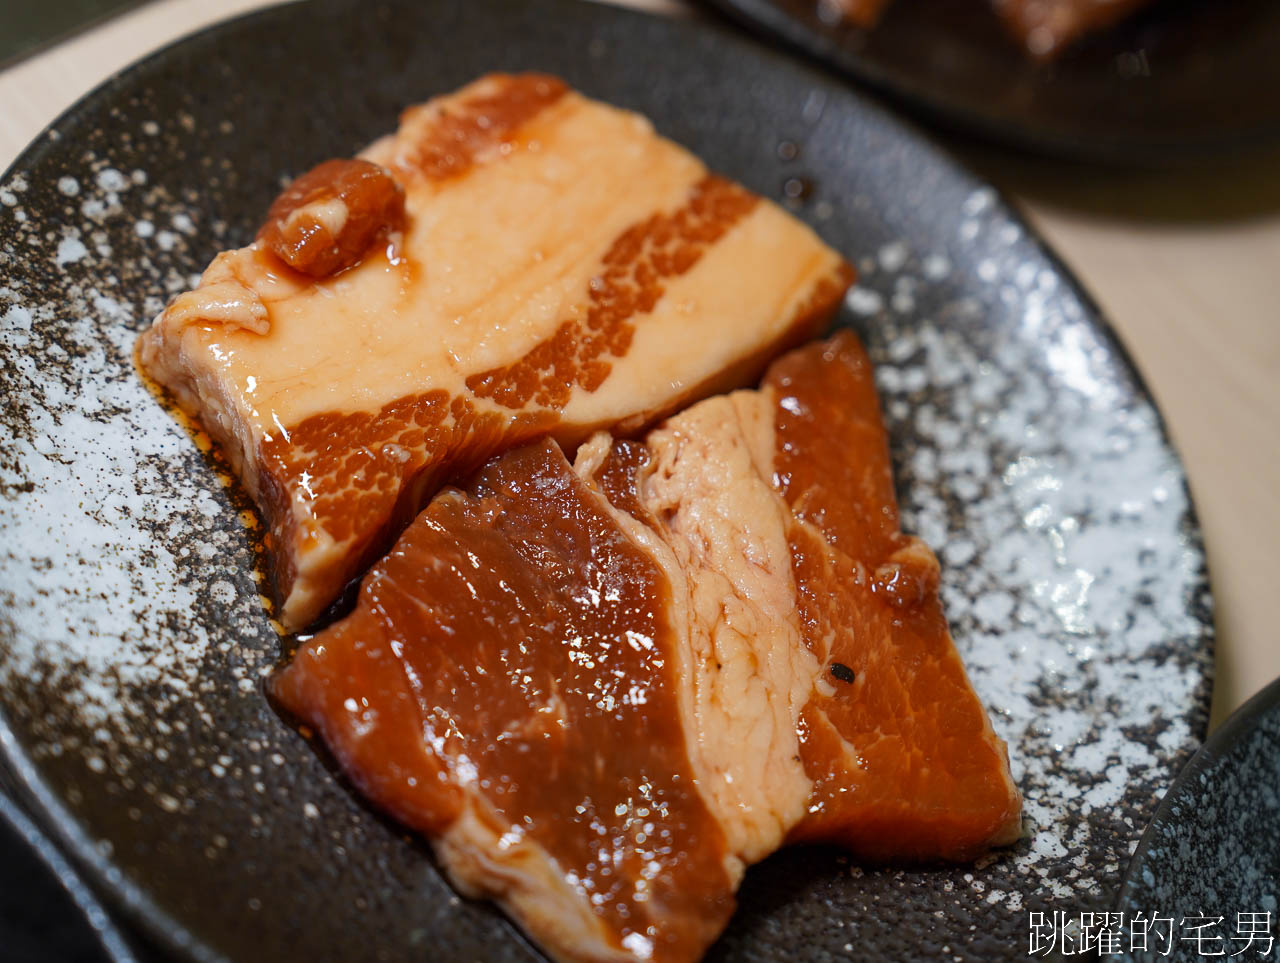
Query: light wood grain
[1187, 265]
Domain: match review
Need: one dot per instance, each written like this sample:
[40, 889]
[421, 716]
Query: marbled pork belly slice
[718, 631]
[1046, 27]
[543, 263]
[825, 679]
[523, 681]
[696, 495]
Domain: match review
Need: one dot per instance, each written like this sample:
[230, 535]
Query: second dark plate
[1183, 80]
[1207, 872]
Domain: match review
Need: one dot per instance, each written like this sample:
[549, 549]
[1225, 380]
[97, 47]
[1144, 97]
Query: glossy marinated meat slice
[507, 686]
[515, 260]
[1045, 27]
[716, 638]
[778, 507]
[903, 758]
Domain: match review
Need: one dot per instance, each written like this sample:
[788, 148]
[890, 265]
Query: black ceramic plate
[1181, 80]
[46, 912]
[1209, 863]
[132, 641]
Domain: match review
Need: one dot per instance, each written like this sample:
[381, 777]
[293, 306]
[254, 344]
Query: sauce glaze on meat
[557, 267]
[604, 690]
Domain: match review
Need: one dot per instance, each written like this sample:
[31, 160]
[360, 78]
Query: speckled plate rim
[766, 20]
[1238, 727]
[20, 774]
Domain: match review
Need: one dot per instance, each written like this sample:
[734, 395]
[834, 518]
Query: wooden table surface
[1186, 264]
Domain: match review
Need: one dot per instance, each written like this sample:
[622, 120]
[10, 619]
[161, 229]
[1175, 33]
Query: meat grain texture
[692, 650]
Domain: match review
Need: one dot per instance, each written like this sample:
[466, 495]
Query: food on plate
[860, 13]
[1043, 27]
[604, 689]
[601, 687]
[515, 260]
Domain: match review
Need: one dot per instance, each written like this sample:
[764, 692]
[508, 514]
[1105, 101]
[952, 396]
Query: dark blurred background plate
[133, 643]
[1213, 847]
[1180, 81]
[27, 26]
